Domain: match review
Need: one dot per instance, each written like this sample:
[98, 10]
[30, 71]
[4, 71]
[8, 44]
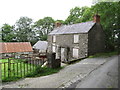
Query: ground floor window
[75, 52]
[53, 49]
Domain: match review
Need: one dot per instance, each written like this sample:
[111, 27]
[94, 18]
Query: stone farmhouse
[71, 42]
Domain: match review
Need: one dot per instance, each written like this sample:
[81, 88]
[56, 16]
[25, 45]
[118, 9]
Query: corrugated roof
[41, 45]
[13, 47]
[75, 28]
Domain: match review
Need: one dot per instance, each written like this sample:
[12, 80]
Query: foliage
[75, 15]
[17, 67]
[29, 72]
[43, 71]
[7, 32]
[60, 21]
[107, 54]
[24, 30]
[43, 26]
[110, 21]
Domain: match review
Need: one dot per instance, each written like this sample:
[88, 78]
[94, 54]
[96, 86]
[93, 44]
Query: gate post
[52, 62]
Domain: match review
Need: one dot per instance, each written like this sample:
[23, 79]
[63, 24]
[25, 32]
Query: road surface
[98, 72]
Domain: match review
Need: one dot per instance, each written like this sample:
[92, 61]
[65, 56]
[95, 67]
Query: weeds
[43, 71]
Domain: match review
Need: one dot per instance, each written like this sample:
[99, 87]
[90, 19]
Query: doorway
[62, 54]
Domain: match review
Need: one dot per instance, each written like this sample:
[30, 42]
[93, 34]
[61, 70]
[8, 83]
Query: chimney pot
[96, 18]
[57, 24]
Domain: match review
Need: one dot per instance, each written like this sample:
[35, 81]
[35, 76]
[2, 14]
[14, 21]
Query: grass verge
[18, 69]
[43, 71]
[108, 54]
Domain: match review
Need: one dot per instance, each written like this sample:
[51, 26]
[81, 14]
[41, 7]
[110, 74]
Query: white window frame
[76, 38]
[75, 52]
[54, 38]
[53, 48]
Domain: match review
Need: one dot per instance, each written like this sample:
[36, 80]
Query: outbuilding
[14, 49]
[41, 46]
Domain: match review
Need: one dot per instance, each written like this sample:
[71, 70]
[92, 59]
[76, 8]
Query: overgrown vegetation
[17, 67]
[15, 74]
[108, 54]
[43, 71]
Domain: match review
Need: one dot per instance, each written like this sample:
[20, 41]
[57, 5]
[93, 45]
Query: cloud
[12, 10]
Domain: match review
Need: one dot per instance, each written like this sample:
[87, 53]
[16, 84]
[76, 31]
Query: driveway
[71, 76]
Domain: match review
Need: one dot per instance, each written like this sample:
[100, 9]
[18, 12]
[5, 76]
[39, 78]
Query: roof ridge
[72, 24]
[14, 42]
[83, 27]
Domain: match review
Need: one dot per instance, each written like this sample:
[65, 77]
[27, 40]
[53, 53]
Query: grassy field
[28, 70]
[17, 69]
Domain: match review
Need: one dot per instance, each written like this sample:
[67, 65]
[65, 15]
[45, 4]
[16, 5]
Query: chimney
[96, 18]
[57, 24]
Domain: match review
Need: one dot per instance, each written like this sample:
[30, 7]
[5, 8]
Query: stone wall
[83, 45]
[68, 41]
[96, 42]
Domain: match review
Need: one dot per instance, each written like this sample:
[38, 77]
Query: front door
[62, 54]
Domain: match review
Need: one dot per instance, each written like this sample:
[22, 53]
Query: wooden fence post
[9, 67]
[0, 75]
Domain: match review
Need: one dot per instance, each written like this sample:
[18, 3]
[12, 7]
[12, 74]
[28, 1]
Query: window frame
[53, 48]
[76, 36]
[74, 56]
[54, 38]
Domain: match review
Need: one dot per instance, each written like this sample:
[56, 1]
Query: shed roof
[75, 28]
[41, 45]
[13, 47]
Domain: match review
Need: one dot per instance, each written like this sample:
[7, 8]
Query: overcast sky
[12, 10]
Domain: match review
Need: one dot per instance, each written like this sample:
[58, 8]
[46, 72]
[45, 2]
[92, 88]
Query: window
[53, 49]
[75, 52]
[76, 38]
[54, 38]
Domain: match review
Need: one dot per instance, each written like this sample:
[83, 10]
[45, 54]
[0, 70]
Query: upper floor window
[76, 38]
[54, 38]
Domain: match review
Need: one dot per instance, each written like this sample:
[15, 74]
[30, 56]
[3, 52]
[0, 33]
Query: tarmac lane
[90, 72]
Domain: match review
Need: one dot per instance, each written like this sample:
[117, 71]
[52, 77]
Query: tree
[110, 21]
[43, 27]
[8, 33]
[24, 30]
[75, 15]
[87, 15]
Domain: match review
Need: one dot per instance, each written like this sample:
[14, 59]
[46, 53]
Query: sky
[12, 10]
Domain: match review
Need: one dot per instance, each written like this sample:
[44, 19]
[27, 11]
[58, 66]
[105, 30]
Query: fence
[17, 68]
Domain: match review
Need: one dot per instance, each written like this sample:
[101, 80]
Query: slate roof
[75, 28]
[41, 45]
[13, 47]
